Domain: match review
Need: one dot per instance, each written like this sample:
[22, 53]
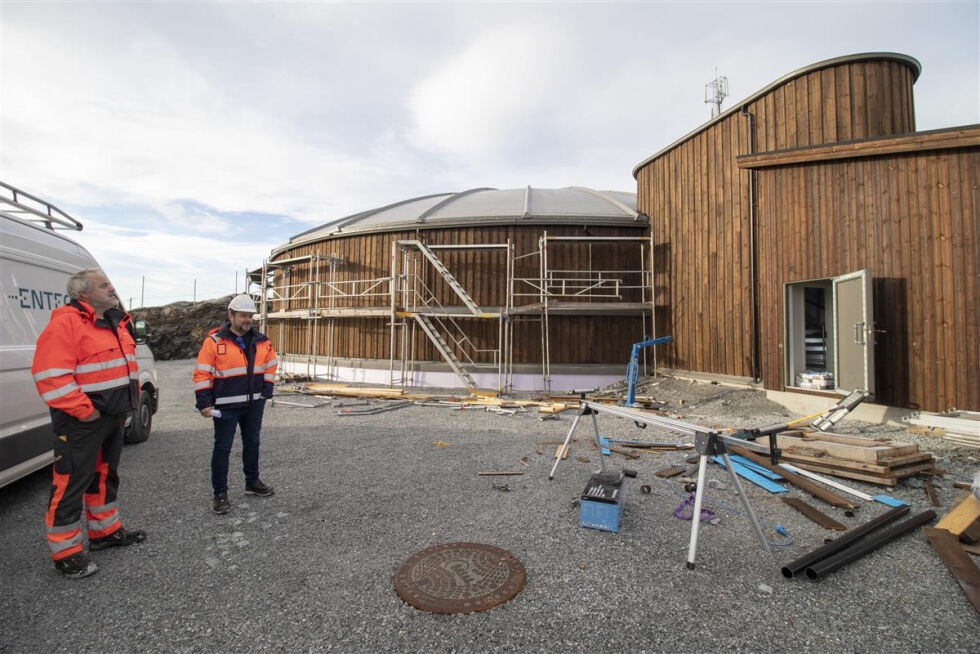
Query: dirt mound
[177, 330]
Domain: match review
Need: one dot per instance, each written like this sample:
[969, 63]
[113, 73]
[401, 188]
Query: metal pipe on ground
[871, 543]
[374, 410]
[794, 568]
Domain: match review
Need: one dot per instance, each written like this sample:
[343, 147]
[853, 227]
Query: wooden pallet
[876, 461]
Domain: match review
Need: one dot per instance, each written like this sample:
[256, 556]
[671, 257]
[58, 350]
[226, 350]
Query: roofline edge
[827, 63]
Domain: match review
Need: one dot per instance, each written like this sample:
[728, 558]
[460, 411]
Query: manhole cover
[459, 578]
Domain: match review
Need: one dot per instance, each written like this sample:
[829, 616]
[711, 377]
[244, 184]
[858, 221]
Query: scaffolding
[309, 288]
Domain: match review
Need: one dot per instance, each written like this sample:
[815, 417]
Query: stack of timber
[960, 427]
[852, 457]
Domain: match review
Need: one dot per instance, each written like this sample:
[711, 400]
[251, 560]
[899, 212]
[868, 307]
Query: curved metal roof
[572, 204]
[911, 62]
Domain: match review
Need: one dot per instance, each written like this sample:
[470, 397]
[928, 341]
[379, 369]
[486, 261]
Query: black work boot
[76, 566]
[119, 538]
[221, 505]
[258, 488]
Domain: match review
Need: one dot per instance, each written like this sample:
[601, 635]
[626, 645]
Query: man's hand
[92, 417]
[206, 411]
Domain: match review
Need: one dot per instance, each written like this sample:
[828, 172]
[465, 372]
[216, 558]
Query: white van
[35, 264]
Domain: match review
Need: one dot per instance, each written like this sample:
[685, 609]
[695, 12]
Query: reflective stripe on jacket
[82, 363]
[227, 376]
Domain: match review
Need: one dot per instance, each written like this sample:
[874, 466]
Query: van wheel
[139, 427]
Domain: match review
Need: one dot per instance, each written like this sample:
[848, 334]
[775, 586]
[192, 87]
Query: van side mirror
[142, 331]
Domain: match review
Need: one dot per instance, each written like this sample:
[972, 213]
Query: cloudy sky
[192, 137]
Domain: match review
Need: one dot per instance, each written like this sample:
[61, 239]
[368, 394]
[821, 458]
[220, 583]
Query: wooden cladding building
[810, 238]
[486, 281]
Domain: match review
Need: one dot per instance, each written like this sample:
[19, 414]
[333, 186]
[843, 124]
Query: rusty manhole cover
[459, 578]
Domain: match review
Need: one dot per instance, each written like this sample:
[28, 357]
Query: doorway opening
[810, 336]
[830, 333]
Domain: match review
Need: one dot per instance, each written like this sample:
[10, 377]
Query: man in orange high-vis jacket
[235, 372]
[85, 370]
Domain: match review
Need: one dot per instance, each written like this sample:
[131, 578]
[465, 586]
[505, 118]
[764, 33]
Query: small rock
[765, 589]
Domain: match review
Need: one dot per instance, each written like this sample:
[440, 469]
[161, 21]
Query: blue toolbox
[602, 503]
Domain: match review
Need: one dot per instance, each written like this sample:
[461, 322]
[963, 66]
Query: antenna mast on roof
[715, 93]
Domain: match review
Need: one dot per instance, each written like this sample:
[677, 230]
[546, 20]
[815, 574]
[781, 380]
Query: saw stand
[605, 472]
[713, 444]
[707, 442]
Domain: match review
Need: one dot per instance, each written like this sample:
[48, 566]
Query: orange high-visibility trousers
[84, 473]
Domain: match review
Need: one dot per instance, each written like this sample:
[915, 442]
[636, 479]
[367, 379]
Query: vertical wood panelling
[594, 339]
[910, 218]
[908, 223]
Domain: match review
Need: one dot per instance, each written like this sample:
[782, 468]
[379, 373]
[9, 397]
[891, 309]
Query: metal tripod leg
[745, 501]
[699, 497]
[598, 444]
[571, 431]
[692, 549]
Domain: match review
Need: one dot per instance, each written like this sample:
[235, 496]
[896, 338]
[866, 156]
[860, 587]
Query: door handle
[859, 333]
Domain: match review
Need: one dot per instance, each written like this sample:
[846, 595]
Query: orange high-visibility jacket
[81, 364]
[227, 376]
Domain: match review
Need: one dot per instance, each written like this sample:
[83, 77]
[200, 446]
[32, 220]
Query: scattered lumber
[800, 482]
[960, 427]
[962, 517]
[963, 569]
[814, 514]
[876, 461]
[669, 472]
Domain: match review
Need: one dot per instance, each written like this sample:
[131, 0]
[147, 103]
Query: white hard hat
[243, 303]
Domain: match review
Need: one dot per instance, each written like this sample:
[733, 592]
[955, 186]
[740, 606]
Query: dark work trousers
[85, 471]
[249, 419]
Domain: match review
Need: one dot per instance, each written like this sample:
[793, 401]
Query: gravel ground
[311, 568]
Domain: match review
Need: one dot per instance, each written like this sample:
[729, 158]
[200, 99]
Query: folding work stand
[707, 442]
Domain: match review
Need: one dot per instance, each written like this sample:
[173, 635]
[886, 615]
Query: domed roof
[569, 205]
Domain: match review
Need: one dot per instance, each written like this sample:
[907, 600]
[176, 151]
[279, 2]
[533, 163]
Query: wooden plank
[844, 439]
[971, 535]
[809, 486]
[890, 480]
[873, 454]
[669, 472]
[930, 491]
[956, 138]
[940, 260]
[961, 516]
[831, 462]
[814, 514]
[963, 569]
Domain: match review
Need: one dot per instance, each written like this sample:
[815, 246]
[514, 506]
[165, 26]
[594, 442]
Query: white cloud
[137, 122]
[480, 102]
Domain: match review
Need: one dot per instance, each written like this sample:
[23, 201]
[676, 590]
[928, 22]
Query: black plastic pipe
[799, 565]
[826, 566]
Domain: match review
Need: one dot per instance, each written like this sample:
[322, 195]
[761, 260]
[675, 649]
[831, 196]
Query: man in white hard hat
[234, 376]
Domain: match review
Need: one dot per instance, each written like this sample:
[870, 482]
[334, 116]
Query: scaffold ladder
[445, 350]
[448, 276]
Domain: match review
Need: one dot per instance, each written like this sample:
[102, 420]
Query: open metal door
[854, 363]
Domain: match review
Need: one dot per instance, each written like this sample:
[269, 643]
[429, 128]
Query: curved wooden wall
[898, 214]
[697, 198]
[573, 339]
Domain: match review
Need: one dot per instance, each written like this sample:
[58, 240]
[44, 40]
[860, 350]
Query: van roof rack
[22, 205]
